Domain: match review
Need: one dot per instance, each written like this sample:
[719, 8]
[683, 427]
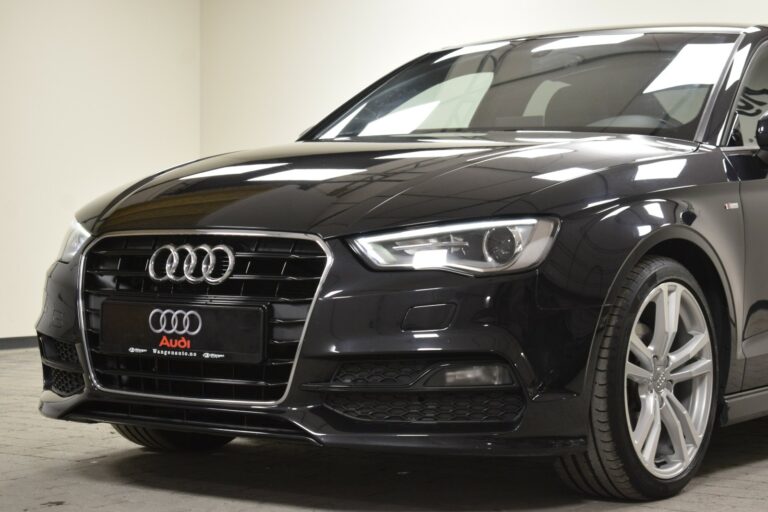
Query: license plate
[233, 334]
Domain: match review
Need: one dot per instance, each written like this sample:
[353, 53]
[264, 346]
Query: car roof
[670, 29]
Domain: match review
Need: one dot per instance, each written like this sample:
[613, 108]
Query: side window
[751, 102]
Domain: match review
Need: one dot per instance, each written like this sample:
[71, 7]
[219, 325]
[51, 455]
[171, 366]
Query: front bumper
[358, 318]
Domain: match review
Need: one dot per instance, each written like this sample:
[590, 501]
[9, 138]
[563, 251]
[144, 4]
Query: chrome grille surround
[91, 374]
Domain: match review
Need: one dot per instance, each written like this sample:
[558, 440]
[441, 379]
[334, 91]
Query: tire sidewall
[662, 270]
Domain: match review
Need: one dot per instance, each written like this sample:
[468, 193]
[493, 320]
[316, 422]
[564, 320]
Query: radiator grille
[282, 274]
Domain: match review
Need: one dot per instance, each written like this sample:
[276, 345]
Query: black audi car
[550, 245]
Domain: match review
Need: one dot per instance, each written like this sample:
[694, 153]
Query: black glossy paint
[396, 189]
[635, 195]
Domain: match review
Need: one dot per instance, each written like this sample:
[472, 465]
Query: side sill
[745, 406]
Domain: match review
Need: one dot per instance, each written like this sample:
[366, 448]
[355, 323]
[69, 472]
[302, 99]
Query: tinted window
[752, 102]
[630, 83]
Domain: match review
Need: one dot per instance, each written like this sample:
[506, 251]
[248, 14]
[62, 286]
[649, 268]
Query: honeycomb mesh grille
[66, 383]
[380, 373]
[66, 352]
[430, 407]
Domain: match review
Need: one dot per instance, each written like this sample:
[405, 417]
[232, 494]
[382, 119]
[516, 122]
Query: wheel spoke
[652, 441]
[637, 374]
[660, 321]
[676, 434]
[691, 434]
[696, 344]
[691, 371]
[641, 351]
[669, 351]
[667, 318]
[644, 420]
[675, 296]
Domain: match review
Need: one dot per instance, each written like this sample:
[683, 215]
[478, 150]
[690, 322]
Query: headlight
[75, 239]
[481, 247]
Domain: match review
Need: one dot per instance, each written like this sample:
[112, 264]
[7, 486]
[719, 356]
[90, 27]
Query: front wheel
[654, 391]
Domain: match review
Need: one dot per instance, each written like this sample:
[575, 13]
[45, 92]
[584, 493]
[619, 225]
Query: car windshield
[641, 83]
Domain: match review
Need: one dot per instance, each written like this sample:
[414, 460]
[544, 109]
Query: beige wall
[97, 93]
[272, 68]
[93, 94]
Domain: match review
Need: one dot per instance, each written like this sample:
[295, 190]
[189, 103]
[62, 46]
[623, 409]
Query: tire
[623, 395]
[171, 441]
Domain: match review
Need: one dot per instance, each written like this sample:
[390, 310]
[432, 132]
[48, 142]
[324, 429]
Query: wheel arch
[693, 251]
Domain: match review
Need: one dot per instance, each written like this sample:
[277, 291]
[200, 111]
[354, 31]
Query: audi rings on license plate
[232, 334]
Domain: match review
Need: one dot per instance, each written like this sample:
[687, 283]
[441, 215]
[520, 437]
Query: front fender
[596, 250]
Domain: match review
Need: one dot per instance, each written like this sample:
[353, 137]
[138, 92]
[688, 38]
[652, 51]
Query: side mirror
[762, 132]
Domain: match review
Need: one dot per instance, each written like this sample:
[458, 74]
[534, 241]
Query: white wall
[272, 68]
[97, 93]
[93, 94]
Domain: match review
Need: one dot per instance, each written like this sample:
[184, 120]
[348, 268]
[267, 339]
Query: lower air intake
[66, 383]
[430, 407]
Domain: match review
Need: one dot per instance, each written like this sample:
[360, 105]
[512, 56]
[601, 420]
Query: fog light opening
[472, 375]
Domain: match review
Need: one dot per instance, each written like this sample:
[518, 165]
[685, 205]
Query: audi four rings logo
[168, 258]
[175, 321]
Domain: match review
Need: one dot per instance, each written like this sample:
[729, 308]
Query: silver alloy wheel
[669, 375]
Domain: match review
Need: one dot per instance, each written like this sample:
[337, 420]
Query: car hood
[340, 188]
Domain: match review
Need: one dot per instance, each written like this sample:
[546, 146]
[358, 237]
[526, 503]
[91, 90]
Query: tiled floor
[53, 465]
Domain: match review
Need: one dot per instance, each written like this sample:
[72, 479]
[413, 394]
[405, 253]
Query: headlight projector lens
[502, 245]
[475, 248]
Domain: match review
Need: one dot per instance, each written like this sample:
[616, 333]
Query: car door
[751, 166]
